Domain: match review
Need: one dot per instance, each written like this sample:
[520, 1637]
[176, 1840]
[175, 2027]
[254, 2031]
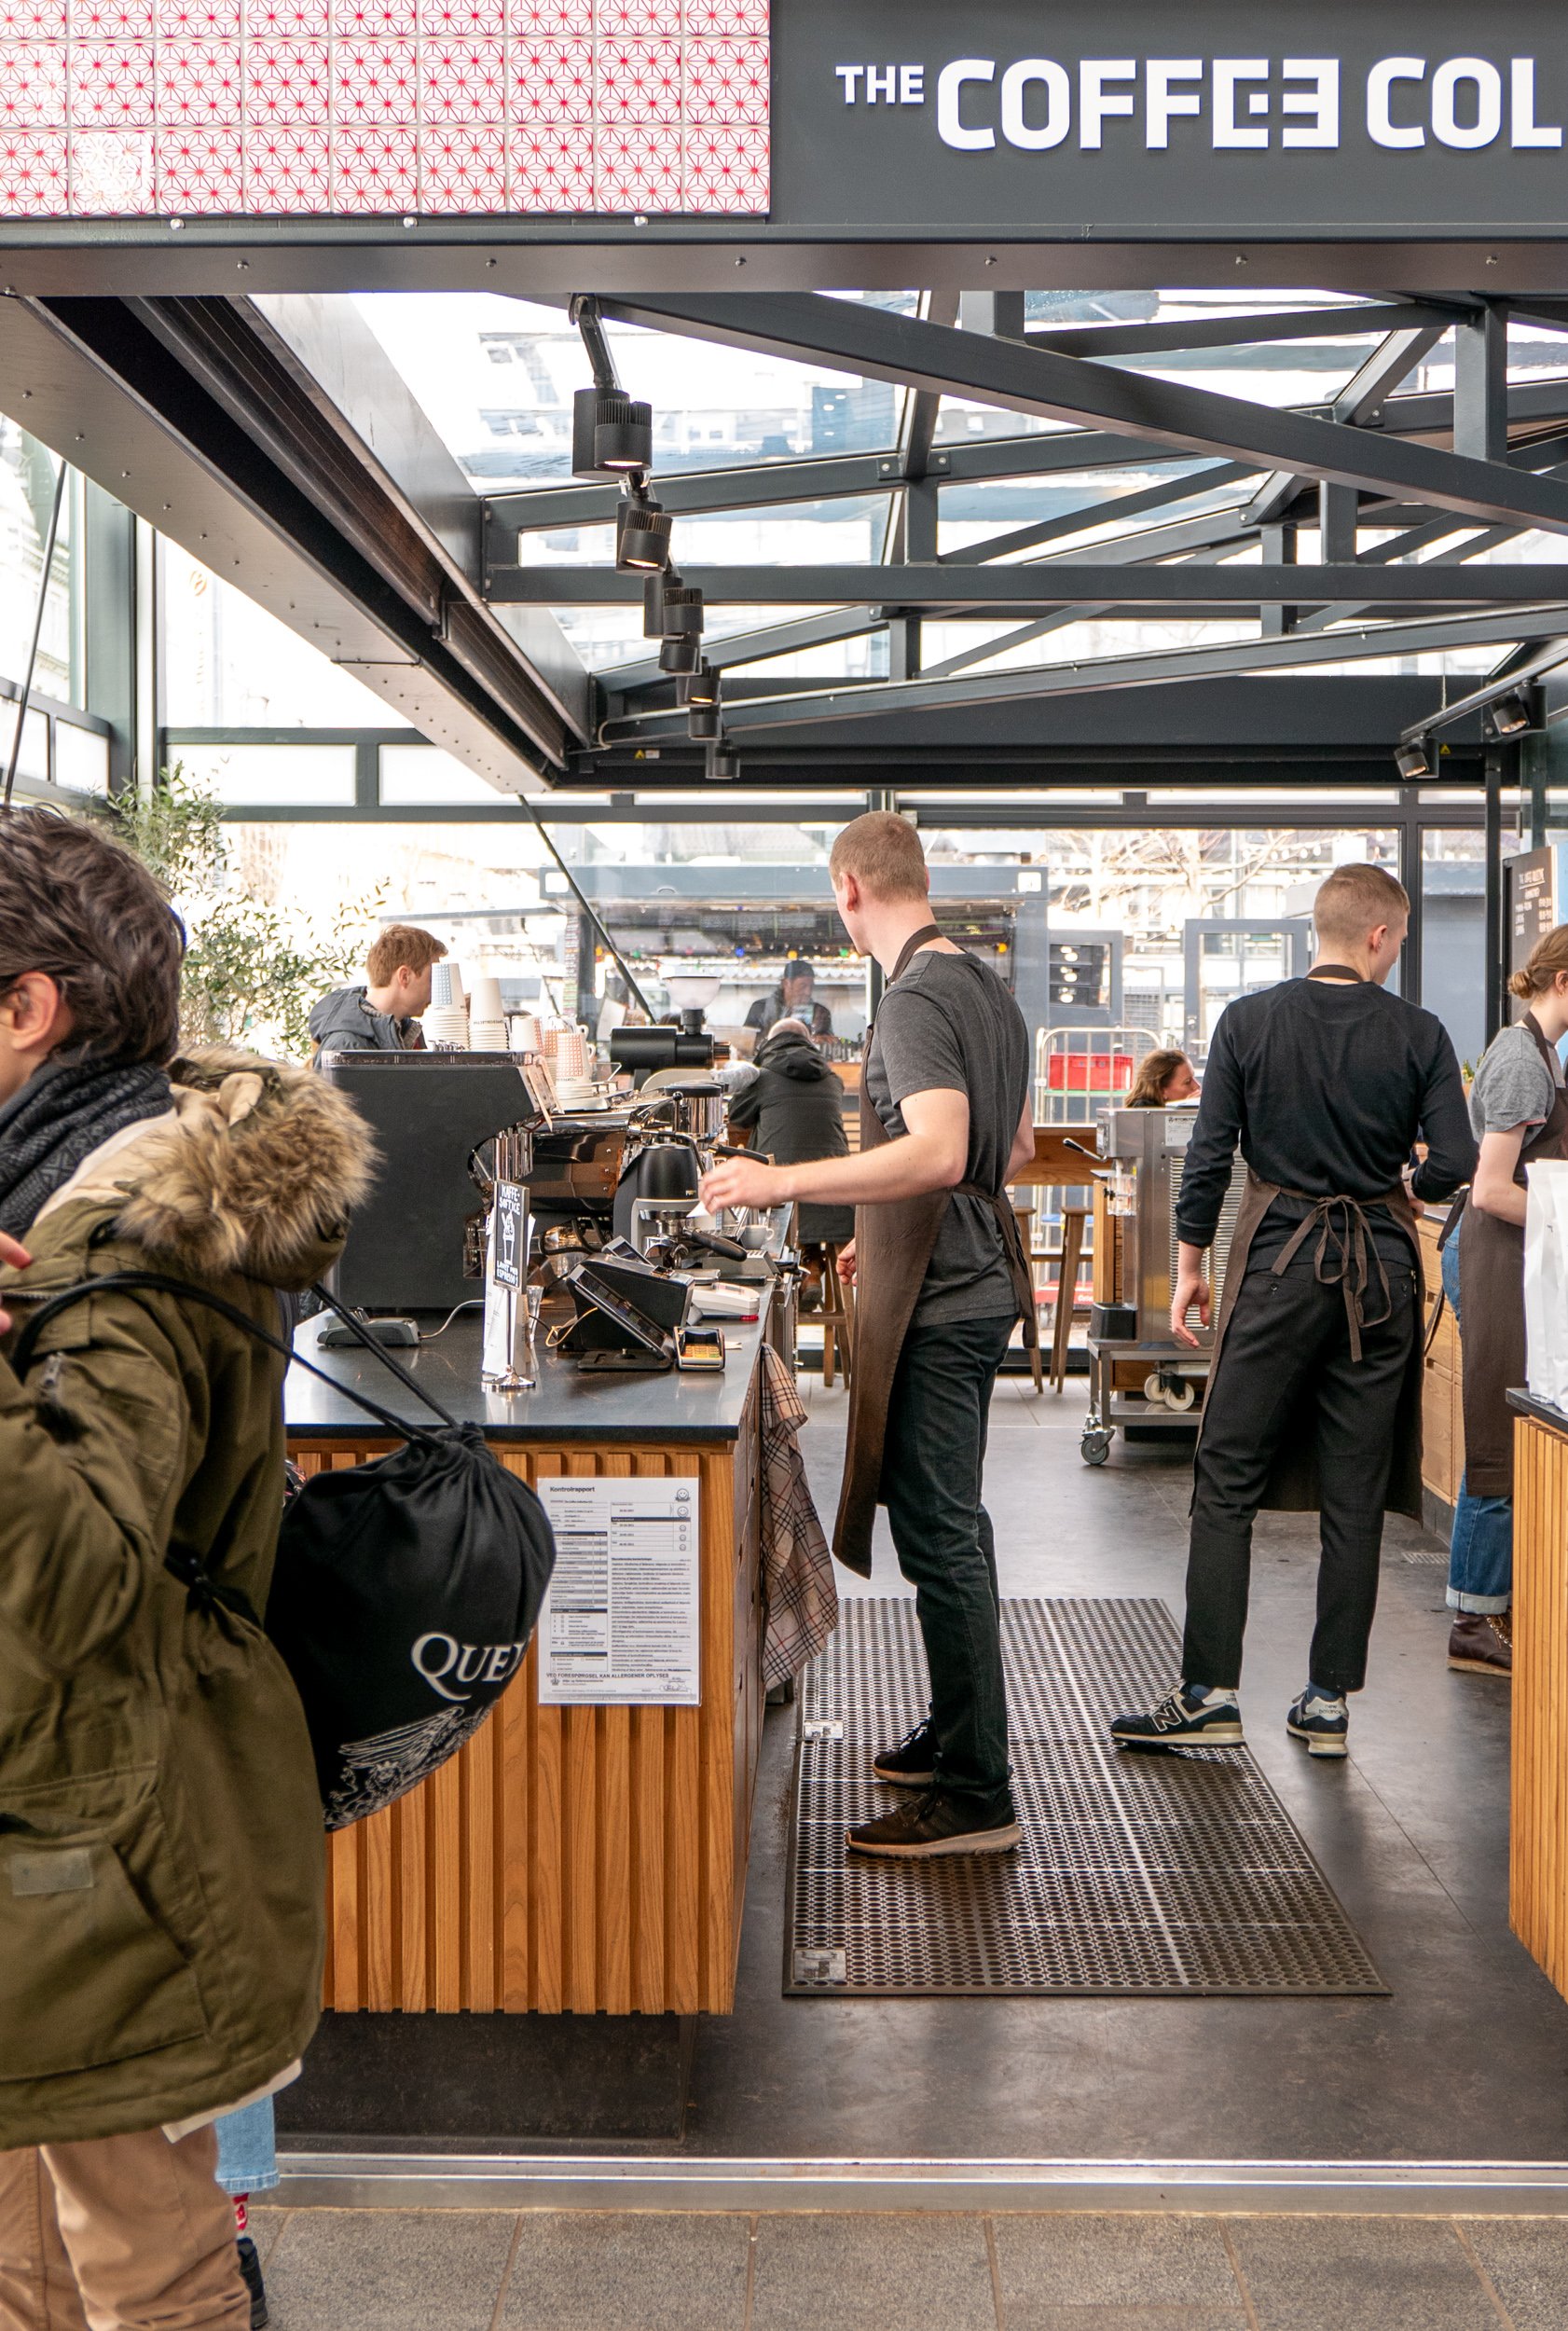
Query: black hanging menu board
[1532, 910]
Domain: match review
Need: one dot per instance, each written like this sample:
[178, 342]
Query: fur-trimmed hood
[257, 1173]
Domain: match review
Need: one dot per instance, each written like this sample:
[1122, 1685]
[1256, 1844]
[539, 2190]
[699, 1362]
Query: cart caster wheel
[1094, 1448]
[1179, 1394]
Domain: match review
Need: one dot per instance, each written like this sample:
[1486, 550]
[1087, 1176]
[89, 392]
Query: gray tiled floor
[491, 2270]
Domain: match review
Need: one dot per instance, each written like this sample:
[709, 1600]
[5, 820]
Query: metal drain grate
[1138, 1875]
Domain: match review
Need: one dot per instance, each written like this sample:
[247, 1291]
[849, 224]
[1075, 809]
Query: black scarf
[58, 1119]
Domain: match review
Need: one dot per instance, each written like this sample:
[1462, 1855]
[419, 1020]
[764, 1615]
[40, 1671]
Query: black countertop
[684, 1405]
[1539, 1411]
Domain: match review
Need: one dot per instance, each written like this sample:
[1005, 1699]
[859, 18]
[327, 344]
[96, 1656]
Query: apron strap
[1013, 1246]
[1344, 1236]
[911, 946]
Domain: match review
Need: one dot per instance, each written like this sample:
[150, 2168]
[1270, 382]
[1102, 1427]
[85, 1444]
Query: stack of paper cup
[446, 982]
[567, 1048]
[446, 1027]
[487, 1016]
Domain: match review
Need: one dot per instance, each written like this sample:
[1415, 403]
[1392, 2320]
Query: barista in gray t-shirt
[1513, 1085]
[949, 1025]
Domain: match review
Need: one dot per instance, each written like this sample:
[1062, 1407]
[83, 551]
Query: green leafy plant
[251, 973]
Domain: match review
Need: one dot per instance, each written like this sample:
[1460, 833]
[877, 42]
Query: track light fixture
[702, 722]
[680, 655]
[642, 530]
[681, 610]
[1413, 760]
[722, 762]
[611, 432]
[699, 687]
[1512, 714]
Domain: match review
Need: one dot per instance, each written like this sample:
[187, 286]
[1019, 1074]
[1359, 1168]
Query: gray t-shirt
[1513, 1085]
[949, 1025]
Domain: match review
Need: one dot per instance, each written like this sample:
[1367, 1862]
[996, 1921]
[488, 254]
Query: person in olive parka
[162, 1846]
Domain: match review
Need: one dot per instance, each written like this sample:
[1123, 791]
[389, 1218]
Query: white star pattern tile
[317, 108]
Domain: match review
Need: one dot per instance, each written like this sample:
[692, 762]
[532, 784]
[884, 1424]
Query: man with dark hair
[160, 1826]
[945, 1119]
[383, 1013]
[1314, 1398]
[794, 998]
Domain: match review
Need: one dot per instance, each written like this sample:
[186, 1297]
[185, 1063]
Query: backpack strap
[157, 1282]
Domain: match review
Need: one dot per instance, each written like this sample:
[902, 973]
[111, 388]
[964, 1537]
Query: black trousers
[932, 1464]
[1286, 1366]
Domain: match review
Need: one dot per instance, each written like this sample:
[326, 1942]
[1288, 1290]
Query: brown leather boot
[1479, 1643]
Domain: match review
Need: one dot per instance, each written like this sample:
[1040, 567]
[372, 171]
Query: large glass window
[27, 482]
[229, 664]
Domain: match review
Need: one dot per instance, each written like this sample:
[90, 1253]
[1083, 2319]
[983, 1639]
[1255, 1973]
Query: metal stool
[1026, 1231]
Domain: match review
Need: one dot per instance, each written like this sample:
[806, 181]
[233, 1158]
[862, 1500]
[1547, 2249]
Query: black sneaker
[1186, 1718]
[912, 1763]
[1323, 1724]
[249, 2267]
[940, 1822]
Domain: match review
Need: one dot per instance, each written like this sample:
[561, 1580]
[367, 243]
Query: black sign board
[1314, 118]
[508, 1230]
[1532, 885]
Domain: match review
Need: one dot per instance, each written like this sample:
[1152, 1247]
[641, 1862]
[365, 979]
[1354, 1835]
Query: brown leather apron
[1345, 1256]
[894, 1240]
[1492, 1310]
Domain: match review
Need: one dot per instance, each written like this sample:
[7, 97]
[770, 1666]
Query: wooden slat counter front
[1538, 1832]
[567, 1859]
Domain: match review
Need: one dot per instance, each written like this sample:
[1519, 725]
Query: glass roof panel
[497, 376]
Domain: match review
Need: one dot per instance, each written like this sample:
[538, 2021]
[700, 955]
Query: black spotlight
[1413, 761]
[680, 611]
[641, 533]
[611, 433]
[702, 724]
[682, 654]
[1511, 715]
[722, 762]
[699, 687]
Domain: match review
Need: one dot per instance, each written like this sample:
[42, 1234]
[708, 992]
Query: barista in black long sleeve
[1314, 1402]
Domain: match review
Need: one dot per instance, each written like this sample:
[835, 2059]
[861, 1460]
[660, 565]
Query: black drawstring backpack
[406, 1590]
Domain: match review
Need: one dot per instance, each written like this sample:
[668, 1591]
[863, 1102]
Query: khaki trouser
[119, 2234]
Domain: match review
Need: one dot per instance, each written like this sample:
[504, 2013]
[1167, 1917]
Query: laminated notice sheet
[619, 1626]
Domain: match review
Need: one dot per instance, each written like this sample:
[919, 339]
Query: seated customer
[1164, 1077]
[794, 995]
[795, 1101]
[384, 1013]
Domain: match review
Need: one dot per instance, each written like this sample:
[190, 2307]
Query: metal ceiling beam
[1362, 396]
[1051, 583]
[181, 409]
[752, 485]
[1427, 636]
[879, 345]
[751, 647]
[1228, 331]
[1065, 523]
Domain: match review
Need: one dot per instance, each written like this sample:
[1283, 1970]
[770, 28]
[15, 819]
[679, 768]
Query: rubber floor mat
[1140, 1874]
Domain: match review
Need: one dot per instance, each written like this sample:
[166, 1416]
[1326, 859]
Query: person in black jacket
[795, 1103]
[1314, 1398]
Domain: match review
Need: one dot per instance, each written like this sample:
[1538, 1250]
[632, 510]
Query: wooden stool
[1025, 1231]
[837, 1315]
[1073, 1219]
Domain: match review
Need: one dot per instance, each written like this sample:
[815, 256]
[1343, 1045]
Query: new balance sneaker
[912, 1763]
[1322, 1721]
[1187, 1718]
[940, 1822]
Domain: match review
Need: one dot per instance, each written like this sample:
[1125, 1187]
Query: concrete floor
[1468, 2059]
[1466, 2062]
[492, 2271]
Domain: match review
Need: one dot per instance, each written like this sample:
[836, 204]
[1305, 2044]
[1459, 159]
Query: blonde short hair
[881, 850]
[1354, 901]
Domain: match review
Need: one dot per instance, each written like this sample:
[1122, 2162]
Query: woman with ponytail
[1519, 1112]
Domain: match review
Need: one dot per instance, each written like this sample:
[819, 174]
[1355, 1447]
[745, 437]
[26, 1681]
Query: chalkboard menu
[1534, 891]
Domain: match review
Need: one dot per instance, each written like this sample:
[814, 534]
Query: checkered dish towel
[798, 1597]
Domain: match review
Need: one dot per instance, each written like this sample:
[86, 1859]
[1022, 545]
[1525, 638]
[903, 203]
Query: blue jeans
[248, 2149]
[1482, 1551]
